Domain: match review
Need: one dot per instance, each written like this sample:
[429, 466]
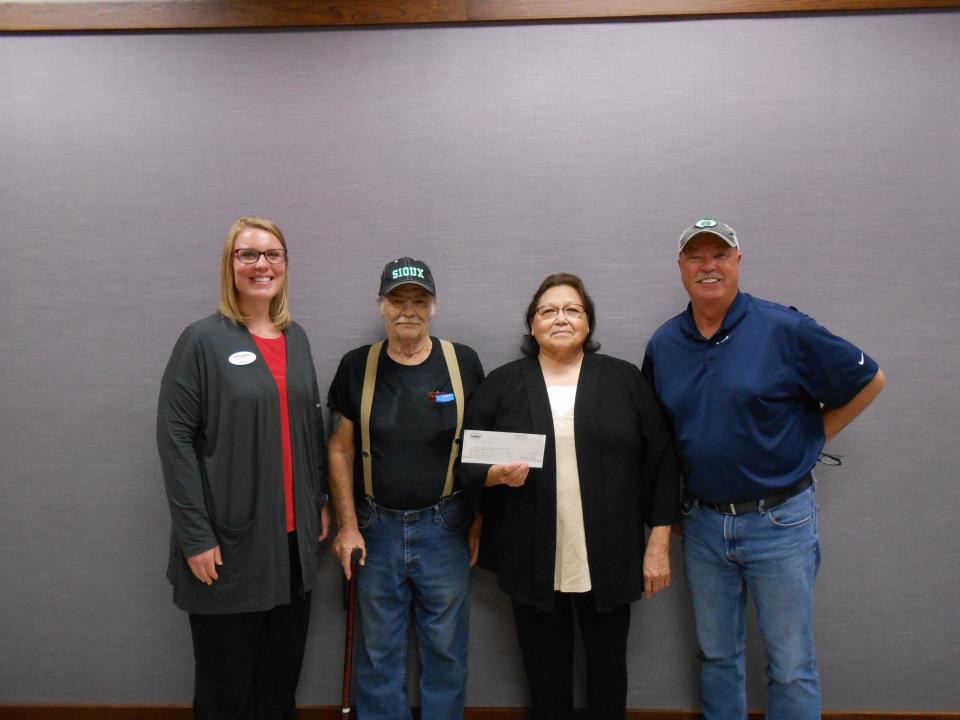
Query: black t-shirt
[411, 424]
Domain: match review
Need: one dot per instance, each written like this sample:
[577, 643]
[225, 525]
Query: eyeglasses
[248, 256]
[570, 312]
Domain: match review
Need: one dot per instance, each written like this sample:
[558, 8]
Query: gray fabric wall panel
[498, 154]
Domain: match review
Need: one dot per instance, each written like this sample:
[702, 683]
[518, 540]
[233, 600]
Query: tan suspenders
[456, 382]
[366, 404]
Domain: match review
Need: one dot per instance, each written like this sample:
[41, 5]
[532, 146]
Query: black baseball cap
[406, 271]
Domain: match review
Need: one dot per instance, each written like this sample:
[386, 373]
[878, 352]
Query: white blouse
[571, 572]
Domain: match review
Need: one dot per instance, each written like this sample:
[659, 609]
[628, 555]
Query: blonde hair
[229, 307]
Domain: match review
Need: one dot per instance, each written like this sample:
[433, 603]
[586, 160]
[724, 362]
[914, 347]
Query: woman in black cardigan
[571, 534]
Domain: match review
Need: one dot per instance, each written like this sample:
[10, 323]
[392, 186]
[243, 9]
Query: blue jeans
[775, 555]
[415, 559]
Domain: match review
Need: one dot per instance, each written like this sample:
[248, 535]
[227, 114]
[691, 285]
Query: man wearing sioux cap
[753, 389]
[396, 417]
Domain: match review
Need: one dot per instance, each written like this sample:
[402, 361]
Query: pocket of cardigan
[232, 496]
[236, 553]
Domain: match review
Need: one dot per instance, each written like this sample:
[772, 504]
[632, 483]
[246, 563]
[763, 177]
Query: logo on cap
[407, 271]
[705, 223]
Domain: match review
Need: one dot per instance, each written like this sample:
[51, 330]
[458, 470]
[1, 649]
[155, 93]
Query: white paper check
[500, 448]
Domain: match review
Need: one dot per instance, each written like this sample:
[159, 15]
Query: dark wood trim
[538, 10]
[67, 15]
[315, 712]
[206, 14]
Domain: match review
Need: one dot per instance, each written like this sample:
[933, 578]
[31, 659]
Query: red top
[275, 355]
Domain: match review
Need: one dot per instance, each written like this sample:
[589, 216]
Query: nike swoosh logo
[861, 359]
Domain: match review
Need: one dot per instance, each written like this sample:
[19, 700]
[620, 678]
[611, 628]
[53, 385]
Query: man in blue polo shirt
[753, 389]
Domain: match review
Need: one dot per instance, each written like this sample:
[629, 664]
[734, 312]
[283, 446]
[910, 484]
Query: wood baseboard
[326, 712]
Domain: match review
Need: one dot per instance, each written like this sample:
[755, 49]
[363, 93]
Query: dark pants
[546, 642]
[248, 664]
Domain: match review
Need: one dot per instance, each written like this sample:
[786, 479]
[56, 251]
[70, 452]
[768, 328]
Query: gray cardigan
[218, 433]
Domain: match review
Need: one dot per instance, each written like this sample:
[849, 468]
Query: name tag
[242, 358]
[444, 398]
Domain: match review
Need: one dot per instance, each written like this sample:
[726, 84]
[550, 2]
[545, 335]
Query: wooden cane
[351, 603]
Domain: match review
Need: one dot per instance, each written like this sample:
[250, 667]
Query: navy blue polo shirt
[746, 403]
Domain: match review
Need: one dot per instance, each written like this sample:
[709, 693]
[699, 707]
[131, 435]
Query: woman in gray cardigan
[570, 535]
[240, 435]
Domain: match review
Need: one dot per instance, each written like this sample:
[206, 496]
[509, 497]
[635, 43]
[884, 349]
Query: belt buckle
[733, 508]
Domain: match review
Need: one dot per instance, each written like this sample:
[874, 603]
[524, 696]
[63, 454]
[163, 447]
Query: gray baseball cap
[709, 226]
